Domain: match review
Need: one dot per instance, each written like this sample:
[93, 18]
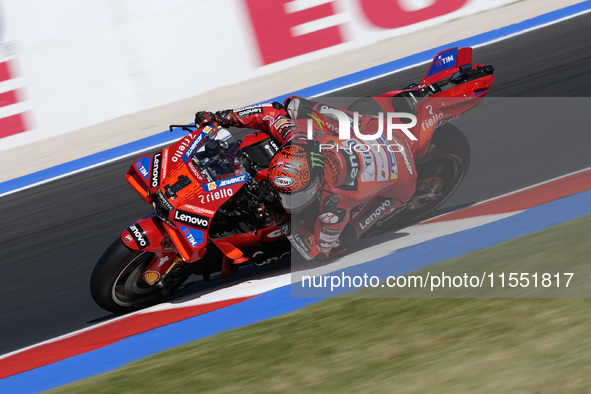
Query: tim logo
[445, 60]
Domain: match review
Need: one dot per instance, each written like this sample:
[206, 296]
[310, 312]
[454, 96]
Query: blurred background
[80, 77]
[67, 66]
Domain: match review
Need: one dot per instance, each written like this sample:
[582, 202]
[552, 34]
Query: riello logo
[345, 122]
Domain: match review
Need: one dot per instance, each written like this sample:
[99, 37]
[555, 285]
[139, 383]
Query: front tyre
[117, 283]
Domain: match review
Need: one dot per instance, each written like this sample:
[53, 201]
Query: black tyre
[440, 173]
[117, 283]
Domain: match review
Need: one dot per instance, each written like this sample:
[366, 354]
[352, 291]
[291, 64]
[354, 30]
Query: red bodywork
[169, 178]
[452, 86]
[192, 205]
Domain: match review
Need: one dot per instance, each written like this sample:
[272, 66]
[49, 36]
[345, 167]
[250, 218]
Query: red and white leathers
[363, 181]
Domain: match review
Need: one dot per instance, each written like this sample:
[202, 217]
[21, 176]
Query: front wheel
[117, 283]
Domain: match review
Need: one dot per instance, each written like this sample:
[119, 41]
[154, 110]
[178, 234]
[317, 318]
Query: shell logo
[151, 277]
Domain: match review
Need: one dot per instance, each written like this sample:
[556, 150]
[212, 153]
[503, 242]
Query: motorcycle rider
[334, 190]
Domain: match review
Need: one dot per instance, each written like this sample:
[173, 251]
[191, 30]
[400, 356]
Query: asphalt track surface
[531, 129]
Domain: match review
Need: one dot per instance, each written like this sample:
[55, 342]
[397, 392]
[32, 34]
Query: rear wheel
[440, 173]
[117, 283]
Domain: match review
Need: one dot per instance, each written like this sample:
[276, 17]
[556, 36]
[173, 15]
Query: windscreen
[218, 156]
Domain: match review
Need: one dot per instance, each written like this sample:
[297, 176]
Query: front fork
[149, 234]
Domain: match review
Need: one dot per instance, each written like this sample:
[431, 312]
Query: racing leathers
[364, 181]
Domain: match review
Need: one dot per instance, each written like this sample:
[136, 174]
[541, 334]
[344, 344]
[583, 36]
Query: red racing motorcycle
[214, 210]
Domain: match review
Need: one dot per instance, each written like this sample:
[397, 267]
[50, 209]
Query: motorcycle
[451, 86]
[214, 210]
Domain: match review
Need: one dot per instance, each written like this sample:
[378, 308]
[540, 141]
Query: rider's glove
[223, 118]
[227, 118]
[203, 118]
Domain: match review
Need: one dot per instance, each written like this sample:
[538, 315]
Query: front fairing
[187, 182]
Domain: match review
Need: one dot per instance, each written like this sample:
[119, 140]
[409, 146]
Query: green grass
[396, 345]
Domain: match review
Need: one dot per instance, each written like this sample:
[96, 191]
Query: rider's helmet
[296, 174]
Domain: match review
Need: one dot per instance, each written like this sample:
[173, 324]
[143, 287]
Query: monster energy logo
[317, 159]
[316, 119]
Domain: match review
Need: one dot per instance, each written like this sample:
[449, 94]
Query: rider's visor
[295, 202]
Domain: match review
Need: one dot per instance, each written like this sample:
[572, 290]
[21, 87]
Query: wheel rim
[130, 289]
[440, 177]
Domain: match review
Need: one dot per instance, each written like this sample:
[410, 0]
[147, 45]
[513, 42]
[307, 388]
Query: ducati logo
[275, 234]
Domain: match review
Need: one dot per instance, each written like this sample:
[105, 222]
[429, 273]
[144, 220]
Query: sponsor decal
[226, 182]
[444, 61]
[282, 121]
[249, 111]
[297, 241]
[352, 171]
[166, 243]
[151, 277]
[162, 261]
[270, 259]
[357, 210]
[446, 120]
[199, 209]
[191, 219]
[195, 237]
[216, 195]
[376, 211]
[142, 165]
[275, 234]
[184, 144]
[195, 143]
[330, 231]
[155, 171]
[283, 181]
[163, 201]
[164, 162]
[139, 236]
[284, 125]
[406, 161]
[433, 120]
[127, 238]
[330, 217]
[393, 164]
[382, 165]
[317, 159]
[326, 245]
[368, 174]
[195, 172]
[328, 238]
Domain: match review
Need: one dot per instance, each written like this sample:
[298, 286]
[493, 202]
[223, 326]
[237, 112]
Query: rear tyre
[440, 173]
[117, 283]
